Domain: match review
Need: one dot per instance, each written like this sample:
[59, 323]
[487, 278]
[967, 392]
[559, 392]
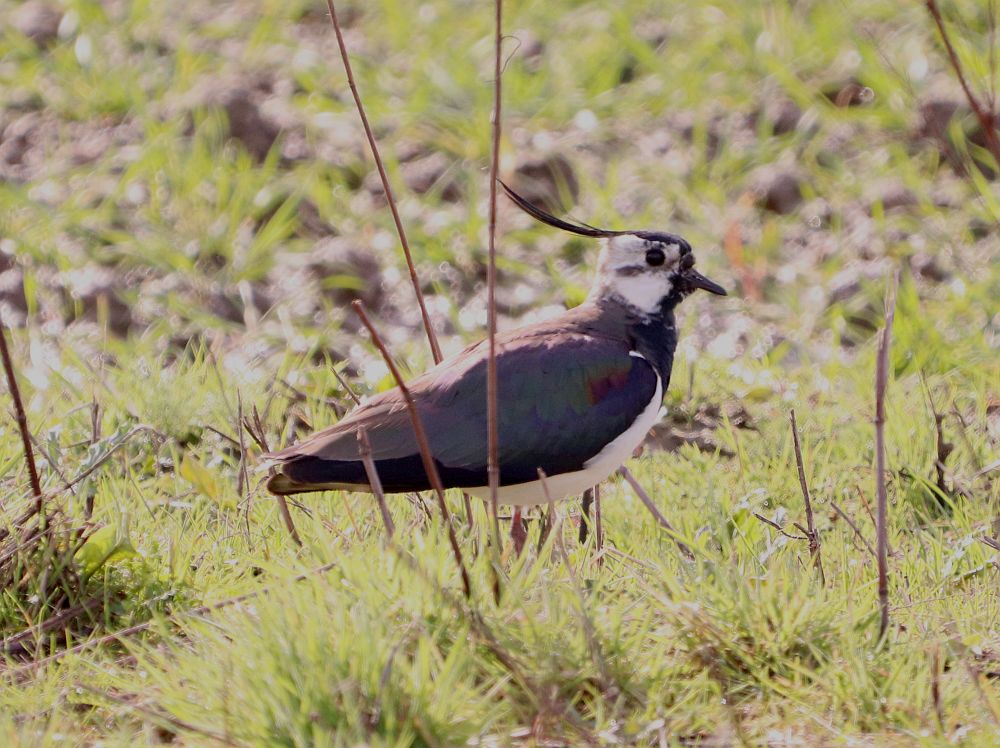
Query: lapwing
[577, 394]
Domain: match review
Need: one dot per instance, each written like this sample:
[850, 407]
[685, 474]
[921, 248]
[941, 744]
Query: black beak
[697, 280]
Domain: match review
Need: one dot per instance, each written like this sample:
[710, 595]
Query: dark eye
[655, 257]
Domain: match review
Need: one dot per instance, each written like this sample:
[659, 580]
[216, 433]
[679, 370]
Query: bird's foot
[588, 499]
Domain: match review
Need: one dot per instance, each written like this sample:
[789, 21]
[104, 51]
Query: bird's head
[648, 271]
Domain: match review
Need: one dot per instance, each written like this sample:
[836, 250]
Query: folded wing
[561, 400]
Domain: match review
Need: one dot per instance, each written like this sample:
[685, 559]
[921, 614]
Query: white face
[630, 271]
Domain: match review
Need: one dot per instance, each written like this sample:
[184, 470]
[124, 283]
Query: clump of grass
[38, 573]
[753, 635]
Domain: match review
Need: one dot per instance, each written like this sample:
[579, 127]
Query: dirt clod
[39, 22]
[778, 191]
[96, 292]
[13, 302]
[547, 181]
[435, 172]
[247, 123]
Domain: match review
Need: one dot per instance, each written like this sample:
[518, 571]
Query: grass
[230, 275]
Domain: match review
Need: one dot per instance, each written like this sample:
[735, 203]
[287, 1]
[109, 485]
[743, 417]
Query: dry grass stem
[854, 527]
[492, 410]
[936, 667]
[22, 419]
[430, 467]
[373, 144]
[882, 530]
[346, 385]
[779, 528]
[984, 112]
[365, 450]
[654, 510]
[814, 541]
[16, 643]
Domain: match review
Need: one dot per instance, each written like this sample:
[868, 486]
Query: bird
[577, 394]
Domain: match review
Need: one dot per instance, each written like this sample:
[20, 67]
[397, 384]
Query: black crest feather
[548, 219]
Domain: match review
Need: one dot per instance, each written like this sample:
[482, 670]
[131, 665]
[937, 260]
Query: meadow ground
[187, 208]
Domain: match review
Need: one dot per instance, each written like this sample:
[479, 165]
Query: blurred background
[196, 170]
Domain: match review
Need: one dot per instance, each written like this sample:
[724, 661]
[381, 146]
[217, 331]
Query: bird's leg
[518, 532]
[546, 527]
[588, 499]
[598, 523]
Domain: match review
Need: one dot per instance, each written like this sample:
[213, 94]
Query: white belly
[595, 470]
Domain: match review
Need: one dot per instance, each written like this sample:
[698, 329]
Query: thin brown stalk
[222, 435]
[95, 421]
[985, 115]
[259, 434]
[404, 242]
[414, 280]
[243, 478]
[365, 450]
[936, 686]
[347, 387]
[991, 15]
[466, 499]
[868, 510]
[430, 467]
[854, 527]
[779, 528]
[654, 510]
[53, 465]
[814, 542]
[14, 643]
[964, 433]
[220, 380]
[350, 514]
[882, 530]
[298, 396]
[470, 522]
[286, 517]
[942, 447]
[492, 407]
[22, 418]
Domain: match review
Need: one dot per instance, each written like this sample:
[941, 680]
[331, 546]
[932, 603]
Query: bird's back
[566, 387]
